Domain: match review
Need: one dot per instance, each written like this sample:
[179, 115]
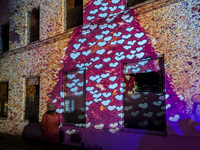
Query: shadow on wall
[195, 111]
[174, 142]
[188, 127]
[31, 133]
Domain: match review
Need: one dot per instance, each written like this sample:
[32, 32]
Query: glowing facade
[94, 68]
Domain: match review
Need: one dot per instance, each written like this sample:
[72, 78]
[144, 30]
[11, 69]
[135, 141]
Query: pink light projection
[102, 49]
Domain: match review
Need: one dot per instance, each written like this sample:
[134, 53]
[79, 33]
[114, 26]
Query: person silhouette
[50, 128]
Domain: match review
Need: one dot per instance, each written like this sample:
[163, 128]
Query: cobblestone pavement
[5, 146]
[16, 142]
[9, 142]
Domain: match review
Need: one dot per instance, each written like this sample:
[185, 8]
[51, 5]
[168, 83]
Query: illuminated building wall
[112, 36]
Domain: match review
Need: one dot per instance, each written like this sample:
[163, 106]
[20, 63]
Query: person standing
[50, 128]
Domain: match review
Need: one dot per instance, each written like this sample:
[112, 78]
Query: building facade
[112, 68]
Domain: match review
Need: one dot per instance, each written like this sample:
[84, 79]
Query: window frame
[5, 46]
[67, 18]
[146, 131]
[30, 38]
[5, 117]
[139, 4]
[84, 94]
[25, 101]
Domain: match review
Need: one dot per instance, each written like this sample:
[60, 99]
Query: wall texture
[109, 37]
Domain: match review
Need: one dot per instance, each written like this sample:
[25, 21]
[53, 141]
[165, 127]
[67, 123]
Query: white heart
[82, 40]
[97, 3]
[84, 32]
[142, 42]
[135, 96]
[97, 99]
[97, 95]
[103, 8]
[90, 17]
[108, 38]
[127, 108]
[115, 1]
[175, 118]
[134, 113]
[129, 20]
[113, 125]
[148, 115]
[111, 108]
[89, 103]
[140, 55]
[130, 56]
[86, 53]
[100, 126]
[98, 37]
[138, 49]
[113, 64]
[105, 75]
[129, 29]
[88, 125]
[131, 42]
[139, 35]
[124, 17]
[121, 122]
[101, 51]
[98, 66]
[106, 102]
[144, 106]
[113, 86]
[86, 26]
[113, 130]
[119, 97]
[89, 88]
[79, 65]
[93, 78]
[126, 36]
[106, 94]
[103, 15]
[101, 43]
[105, 32]
[119, 108]
[112, 26]
[93, 11]
[160, 113]
[113, 8]
[122, 7]
[157, 103]
[103, 26]
[121, 115]
[113, 78]
[135, 70]
[92, 27]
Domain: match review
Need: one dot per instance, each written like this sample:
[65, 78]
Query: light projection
[113, 41]
[74, 96]
[112, 37]
[143, 93]
[97, 10]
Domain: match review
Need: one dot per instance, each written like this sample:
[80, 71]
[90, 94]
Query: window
[137, 2]
[34, 25]
[144, 104]
[74, 99]
[3, 99]
[74, 13]
[5, 37]
[32, 99]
